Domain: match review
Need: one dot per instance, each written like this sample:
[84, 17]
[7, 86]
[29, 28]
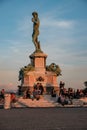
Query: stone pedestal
[40, 75]
[38, 60]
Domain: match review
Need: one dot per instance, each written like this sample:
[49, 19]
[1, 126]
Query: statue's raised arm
[35, 34]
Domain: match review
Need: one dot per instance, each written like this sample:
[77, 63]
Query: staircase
[44, 101]
[77, 102]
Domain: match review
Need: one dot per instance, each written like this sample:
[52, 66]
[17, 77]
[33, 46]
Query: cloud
[63, 55]
[25, 26]
[15, 55]
[51, 22]
[81, 54]
[73, 76]
[47, 25]
[8, 79]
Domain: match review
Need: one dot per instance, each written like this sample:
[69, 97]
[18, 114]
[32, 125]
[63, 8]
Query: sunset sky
[63, 37]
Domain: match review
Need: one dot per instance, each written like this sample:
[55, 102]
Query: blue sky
[63, 37]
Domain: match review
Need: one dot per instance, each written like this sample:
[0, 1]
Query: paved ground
[43, 119]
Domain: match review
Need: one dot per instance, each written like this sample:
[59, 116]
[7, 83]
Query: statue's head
[35, 14]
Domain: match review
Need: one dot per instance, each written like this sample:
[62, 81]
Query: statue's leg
[34, 41]
[39, 45]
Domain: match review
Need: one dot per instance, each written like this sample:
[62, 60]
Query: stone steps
[36, 103]
[77, 102]
[44, 101]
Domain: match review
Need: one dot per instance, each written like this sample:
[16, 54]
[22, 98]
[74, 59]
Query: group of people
[2, 92]
[35, 94]
[70, 92]
[13, 97]
[66, 95]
